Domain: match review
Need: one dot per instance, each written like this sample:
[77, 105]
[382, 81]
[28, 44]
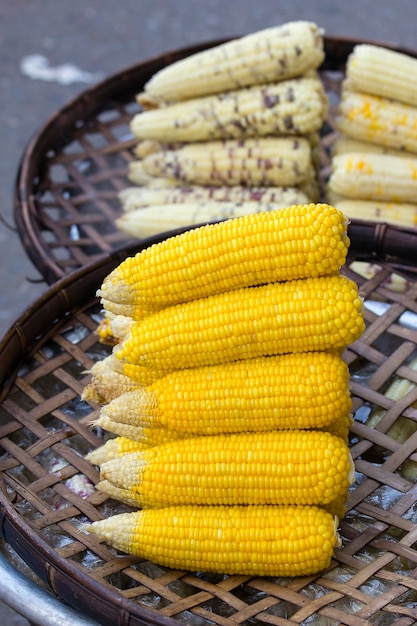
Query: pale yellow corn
[113, 449]
[378, 120]
[301, 391]
[265, 161]
[294, 316]
[346, 145]
[394, 282]
[341, 427]
[397, 213]
[150, 221]
[378, 177]
[254, 541]
[113, 328]
[265, 56]
[294, 107]
[143, 435]
[380, 71]
[133, 198]
[296, 242]
[276, 467]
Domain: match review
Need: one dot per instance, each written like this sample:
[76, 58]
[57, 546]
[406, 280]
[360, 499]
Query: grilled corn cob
[133, 198]
[378, 177]
[378, 120]
[383, 72]
[278, 467]
[309, 390]
[294, 107]
[256, 541]
[267, 161]
[294, 316]
[297, 242]
[265, 56]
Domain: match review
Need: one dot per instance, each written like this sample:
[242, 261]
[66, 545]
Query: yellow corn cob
[309, 390]
[267, 161]
[265, 56]
[295, 316]
[113, 449]
[278, 467]
[152, 220]
[133, 198]
[254, 541]
[292, 107]
[378, 177]
[398, 213]
[113, 328]
[297, 242]
[378, 120]
[145, 436]
[110, 378]
[380, 71]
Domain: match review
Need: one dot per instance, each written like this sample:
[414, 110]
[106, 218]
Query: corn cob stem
[309, 390]
[293, 107]
[265, 56]
[294, 316]
[258, 541]
[297, 242]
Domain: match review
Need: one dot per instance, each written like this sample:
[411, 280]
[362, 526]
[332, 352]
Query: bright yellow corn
[297, 242]
[278, 467]
[378, 120]
[254, 541]
[402, 214]
[133, 198]
[264, 161]
[380, 177]
[295, 316]
[265, 56]
[292, 107]
[113, 449]
[340, 427]
[380, 71]
[309, 390]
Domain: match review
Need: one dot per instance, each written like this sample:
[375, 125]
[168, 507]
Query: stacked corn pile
[374, 163]
[232, 441]
[229, 131]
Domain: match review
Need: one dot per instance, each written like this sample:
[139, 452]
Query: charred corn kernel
[403, 427]
[296, 242]
[380, 71]
[264, 161]
[402, 214]
[113, 449]
[378, 177]
[145, 436]
[265, 56]
[133, 198]
[275, 467]
[293, 107]
[254, 541]
[309, 390]
[378, 120]
[294, 316]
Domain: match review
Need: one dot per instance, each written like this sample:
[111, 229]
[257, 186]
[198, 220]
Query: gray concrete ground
[101, 37]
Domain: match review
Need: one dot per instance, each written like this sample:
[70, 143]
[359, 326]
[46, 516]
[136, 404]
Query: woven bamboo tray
[72, 169]
[48, 487]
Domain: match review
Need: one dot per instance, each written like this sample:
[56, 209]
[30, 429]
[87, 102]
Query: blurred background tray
[65, 200]
[48, 487]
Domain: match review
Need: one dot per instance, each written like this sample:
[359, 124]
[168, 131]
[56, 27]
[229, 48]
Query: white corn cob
[378, 177]
[293, 107]
[390, 212]
[133, 198]
[265, 56]
[346, 145]
[266, 161]
[152, 220]
[380, 71]
[378, 120]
